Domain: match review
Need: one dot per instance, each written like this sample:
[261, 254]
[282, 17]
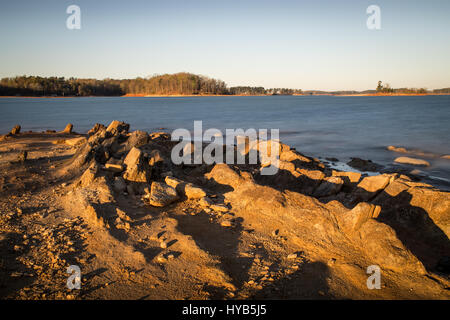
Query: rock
[205, 202]
[22, 157]
[123, 226]
[137, 170]
[89, 175]
[352, 220]
[348, 177]
[364, 165]
[186, 189]
[292, 256]
[162, 195]
[380, 243]
[396, 149]
[446, 157]
[292, 155]
[155, 157]
[329, 186]
[226, 223]
[223, 174]
[137, 139]
[96, 128]
[163, 244]
[309, 180]
[370, 186]
[68, 128]
[173, 182]
[412, 161]
[114, 167]
[75, 141]
[287, 166]
[219, 207]
[15, 130]
[117, 127]
[193, 192]
[122, 215]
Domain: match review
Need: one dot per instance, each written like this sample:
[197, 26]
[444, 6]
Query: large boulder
[137, 169]
[162, 194]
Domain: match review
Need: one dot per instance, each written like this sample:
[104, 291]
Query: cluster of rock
[377, 216]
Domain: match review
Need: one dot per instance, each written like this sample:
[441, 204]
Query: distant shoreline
[234, 95]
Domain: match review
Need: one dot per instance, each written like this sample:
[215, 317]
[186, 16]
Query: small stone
[68, 128]
[292, 256]
[163, 244]
[219, 207]
[16, 129]
[226, 223]
[114, 167]
[205, 202]
[22, 157]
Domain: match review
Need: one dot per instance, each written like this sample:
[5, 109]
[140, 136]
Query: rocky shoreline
[112, 202]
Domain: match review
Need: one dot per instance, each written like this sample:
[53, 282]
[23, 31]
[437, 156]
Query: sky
[321, 44]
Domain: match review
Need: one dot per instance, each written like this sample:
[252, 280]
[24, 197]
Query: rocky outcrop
[358, 219]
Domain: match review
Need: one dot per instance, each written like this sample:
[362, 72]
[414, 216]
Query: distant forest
[168, 84]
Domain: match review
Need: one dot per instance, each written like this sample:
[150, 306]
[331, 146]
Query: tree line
[182, 83]
[387, 89]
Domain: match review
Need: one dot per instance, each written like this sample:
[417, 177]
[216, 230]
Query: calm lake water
[325, 126]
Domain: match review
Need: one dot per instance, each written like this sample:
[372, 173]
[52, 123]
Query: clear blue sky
[322, 44]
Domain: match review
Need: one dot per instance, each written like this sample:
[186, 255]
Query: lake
[320, 126]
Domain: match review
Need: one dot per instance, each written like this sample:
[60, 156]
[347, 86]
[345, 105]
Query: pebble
[226, 223]
[292, 256]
